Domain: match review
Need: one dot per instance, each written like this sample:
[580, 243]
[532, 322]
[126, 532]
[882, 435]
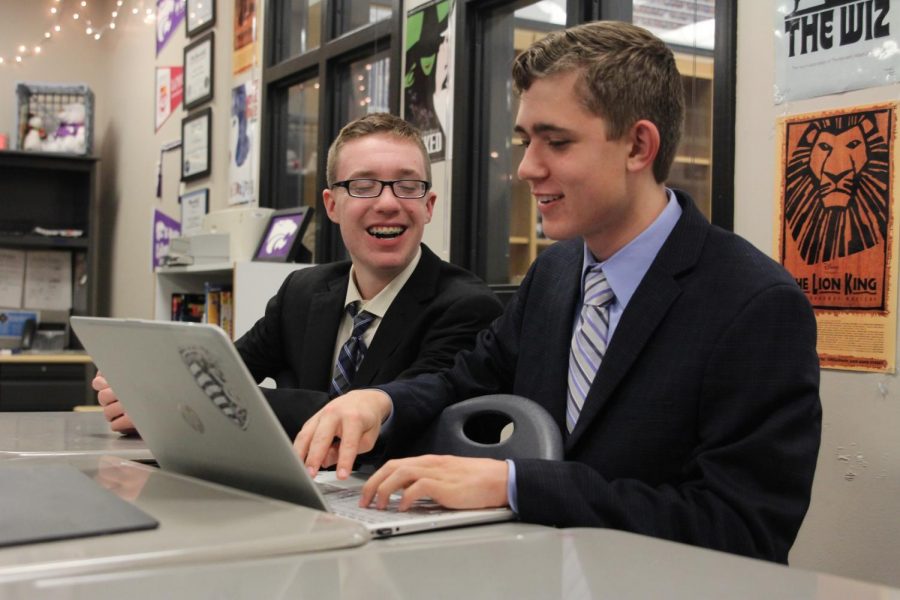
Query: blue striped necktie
[352, 352]
[588, 342]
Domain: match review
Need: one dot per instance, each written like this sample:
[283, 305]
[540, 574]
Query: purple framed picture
[282, 239]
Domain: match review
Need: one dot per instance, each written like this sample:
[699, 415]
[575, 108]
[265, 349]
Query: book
[188, 307]
[213, 294]
[226, 312]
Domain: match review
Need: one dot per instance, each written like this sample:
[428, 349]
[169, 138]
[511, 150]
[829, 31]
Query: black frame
[295, 249]
[209, 38]
[336, 51]
[468, 239]
[204, 192]
[202, 26]
[206, 113]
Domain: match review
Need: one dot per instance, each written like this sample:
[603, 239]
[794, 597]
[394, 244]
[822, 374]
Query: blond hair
[372, 124]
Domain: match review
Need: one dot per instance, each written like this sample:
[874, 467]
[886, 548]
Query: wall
[852, 528]
[120, 69]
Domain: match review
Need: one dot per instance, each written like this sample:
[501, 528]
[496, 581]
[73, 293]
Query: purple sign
[169, 14]
[164, 229]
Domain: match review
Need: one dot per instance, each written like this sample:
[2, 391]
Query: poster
[169, 92]
[164, 229]
[816, 39]
[836, 229]
[242, 143]
[169, 14]
[428, 81]
[244, 35]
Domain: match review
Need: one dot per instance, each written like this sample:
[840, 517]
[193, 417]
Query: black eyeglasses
[408, 189]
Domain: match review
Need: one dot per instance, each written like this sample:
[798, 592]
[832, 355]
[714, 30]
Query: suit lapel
[420, 287]
[325, 311]
[646, 309]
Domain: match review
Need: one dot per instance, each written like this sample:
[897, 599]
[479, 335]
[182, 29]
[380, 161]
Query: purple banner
[169, 14]
[164, 229]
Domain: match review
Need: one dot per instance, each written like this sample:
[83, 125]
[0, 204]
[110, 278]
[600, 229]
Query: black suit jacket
[703, 422]
[438, 312]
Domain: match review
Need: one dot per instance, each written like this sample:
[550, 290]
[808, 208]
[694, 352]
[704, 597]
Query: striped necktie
[588, 342]
[352, 352]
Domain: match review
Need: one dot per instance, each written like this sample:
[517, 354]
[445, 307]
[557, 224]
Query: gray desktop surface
[198, 522]
[25, 434]
[493, 561]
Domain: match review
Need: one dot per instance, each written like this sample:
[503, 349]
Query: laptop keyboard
[345, 503]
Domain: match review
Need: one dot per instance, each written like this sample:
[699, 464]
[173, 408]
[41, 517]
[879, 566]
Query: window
[327, 62]
[496, 226]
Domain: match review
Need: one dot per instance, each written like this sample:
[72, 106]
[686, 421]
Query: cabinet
[52, 192]
[252, 284]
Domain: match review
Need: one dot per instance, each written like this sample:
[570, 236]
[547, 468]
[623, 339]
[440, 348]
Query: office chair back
[473, 428]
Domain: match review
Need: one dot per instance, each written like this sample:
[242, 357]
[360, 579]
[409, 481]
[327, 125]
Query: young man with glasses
[678, 360]
[394, 310]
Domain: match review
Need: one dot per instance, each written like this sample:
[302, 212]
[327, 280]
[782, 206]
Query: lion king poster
[836, 229]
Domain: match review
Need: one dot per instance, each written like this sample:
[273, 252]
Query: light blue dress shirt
[624, 271]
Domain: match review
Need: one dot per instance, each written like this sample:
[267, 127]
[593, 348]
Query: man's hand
[112, 409]
[345, 427]
[452, 481]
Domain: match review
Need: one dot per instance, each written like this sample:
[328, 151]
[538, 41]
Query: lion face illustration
[836, 188]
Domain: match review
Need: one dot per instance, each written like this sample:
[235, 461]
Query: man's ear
[429, 205]
[644, 137]
[329, 202]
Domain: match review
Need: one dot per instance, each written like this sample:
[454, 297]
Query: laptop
[201, 414]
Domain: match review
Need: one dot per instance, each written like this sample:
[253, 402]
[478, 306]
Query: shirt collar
[626, 268]
[382, 301]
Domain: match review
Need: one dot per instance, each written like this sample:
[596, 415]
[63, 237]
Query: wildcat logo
[836, 187]
[211, 380]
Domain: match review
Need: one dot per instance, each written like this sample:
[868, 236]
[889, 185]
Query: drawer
[41, 395]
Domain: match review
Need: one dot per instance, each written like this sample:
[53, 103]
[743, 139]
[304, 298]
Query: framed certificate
[198, 71]
[194, 205]
[201, 15]
[195, 145]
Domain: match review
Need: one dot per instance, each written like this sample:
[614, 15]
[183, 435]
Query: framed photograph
[195, 145]
[198, 71]
[201, 15]
[194, 205]
[282, 239]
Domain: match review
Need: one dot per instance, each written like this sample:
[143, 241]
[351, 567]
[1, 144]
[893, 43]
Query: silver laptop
[201, 414]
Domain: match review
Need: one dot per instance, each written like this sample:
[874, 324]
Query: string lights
[76, 16]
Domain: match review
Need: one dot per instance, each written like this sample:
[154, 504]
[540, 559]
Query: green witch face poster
[427, 85]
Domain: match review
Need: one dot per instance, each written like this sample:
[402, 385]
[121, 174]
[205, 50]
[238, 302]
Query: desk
[64, 433]
[536, 563]
[199, 522]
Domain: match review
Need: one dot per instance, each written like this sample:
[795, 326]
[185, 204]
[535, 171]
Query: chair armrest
[535, 434]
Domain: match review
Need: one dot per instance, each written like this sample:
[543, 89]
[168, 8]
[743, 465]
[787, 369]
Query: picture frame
[199, 71]
[194, 206]
[196, 132]
[282, 239]
[200, 16]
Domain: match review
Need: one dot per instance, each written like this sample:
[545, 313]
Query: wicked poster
[835, 229]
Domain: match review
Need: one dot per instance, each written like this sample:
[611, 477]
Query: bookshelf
[52, 192]
[252, 285]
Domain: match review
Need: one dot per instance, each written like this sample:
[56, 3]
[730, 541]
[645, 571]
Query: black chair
[473, 427]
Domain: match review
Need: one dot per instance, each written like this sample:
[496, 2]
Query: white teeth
[544, 199]
[386, 232]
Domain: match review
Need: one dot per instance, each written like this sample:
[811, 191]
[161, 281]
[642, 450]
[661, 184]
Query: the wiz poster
[836, 229]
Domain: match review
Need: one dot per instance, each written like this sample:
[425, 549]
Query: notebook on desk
[201, 414]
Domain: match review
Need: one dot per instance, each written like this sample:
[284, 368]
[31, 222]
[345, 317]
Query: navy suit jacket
[437, 313]
[703, 422]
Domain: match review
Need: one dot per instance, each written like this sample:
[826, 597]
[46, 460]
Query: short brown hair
[372, 124]
[627, 74]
